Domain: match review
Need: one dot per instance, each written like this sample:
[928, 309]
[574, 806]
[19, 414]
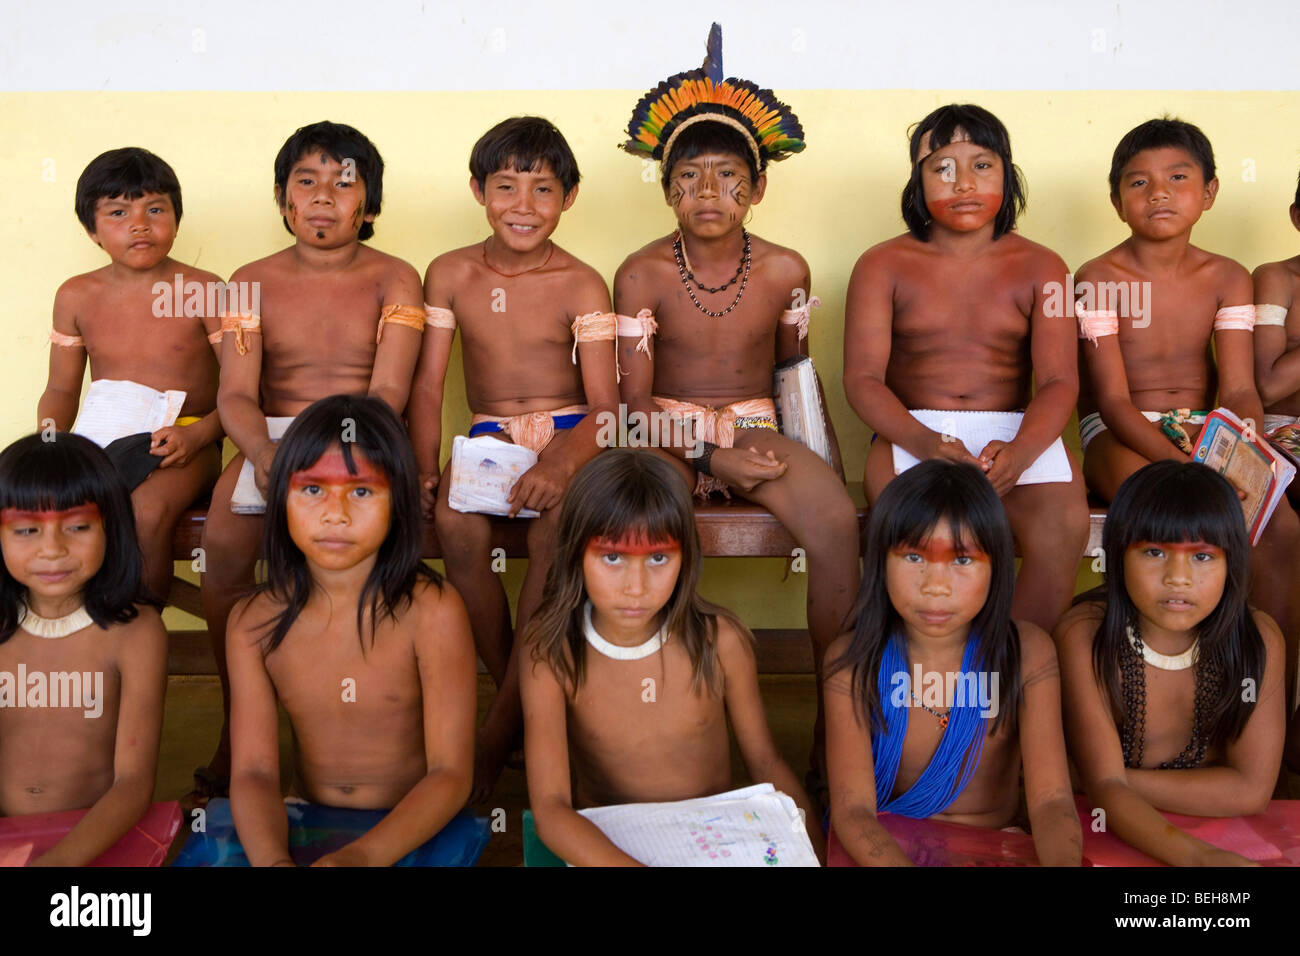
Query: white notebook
[976, 429]
[754, 826]
[115, 408]
[246, 499]
[483, 470]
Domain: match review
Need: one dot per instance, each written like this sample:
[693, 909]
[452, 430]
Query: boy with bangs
[1147, 386]
[129, 202]
[953, 316]
[537, 337]
[726, 307]
[337, 318]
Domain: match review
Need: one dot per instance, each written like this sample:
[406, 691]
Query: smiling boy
[952, 316]
[537, 337]
[1146, 385]
[337, 318]
[129, 202]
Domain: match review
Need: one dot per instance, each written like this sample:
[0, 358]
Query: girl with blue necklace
[936, 697]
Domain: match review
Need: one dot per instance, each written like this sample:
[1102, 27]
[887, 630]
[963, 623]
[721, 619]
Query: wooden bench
[727, 529]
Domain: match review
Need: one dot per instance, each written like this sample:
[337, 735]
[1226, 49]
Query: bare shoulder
[884, 255]
[783, 263]
[195, 274]
[1225, 269]
[585, 280]
[734, 647]
[646, 258]
[1079, 625]
[389, 267]
[436, 606]
[452, 269]
[79, 288]
[252, 613]
[147, 625]
[1037, 259]
[1108, 263]
[268, 267]
[1274, 645]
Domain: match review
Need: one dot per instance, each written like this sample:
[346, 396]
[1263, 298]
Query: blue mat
[315, 830]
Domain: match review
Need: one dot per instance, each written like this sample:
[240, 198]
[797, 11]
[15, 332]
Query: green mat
[536, 853]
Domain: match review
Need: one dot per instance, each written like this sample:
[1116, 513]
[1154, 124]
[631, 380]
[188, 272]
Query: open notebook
[483, 470]
[754, 826]
[115, 408]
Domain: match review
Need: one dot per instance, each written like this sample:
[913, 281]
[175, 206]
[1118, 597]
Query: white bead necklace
[617, 651]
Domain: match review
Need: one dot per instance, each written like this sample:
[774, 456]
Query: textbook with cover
[753, 826]
[483, 470]
[115, 408]
[799, 405]
[976, 429]
[1253, 466]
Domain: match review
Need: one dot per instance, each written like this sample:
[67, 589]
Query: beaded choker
[617, 651]
[1134, 686]
[54, 627]
[1166, 662]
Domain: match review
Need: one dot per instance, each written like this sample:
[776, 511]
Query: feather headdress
[687, 98]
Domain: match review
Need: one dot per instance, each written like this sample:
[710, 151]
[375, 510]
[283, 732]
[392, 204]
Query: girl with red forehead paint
[630, 676]
[83, 653]
[1168, 668]
[937, 698]
[366, 648]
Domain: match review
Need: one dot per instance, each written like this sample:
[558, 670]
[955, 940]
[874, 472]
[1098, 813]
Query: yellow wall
[831, 202]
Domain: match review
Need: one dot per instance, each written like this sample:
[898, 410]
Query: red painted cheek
[84, 512]
[941, 209]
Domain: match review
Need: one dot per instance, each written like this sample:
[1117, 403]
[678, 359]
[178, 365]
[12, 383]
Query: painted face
[938, 586]
[53, 553]
[629, 581]
[137, 233]
[523, 209]
[1162, 192]
[324, 201]
[336, 518]
[1174, 585]
[963, 185]
[711, 193]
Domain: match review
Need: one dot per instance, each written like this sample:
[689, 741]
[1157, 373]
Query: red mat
[1271, 838]
[22, 839]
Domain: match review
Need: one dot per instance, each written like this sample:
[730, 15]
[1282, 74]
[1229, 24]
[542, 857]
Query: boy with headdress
[723, 307]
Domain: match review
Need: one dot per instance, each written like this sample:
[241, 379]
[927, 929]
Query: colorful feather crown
[682, 100]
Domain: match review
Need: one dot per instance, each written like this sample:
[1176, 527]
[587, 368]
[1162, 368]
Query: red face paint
[1178, 547]
[939, 551]
[331, 470]
[86, 512]
[637, 544]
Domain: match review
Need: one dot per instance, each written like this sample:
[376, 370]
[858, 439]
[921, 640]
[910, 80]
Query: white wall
[614, 44]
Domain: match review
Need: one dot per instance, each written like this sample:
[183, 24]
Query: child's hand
[744, 468]
[428, 492]
[1213, 856]
[1002, 466]
[350, 855]
[540, 487]
[949, 448]
[176, 444]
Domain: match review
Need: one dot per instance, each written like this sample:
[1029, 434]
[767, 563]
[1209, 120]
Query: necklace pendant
[943, 722]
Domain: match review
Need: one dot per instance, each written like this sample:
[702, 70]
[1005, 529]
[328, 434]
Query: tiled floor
[193, 717]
